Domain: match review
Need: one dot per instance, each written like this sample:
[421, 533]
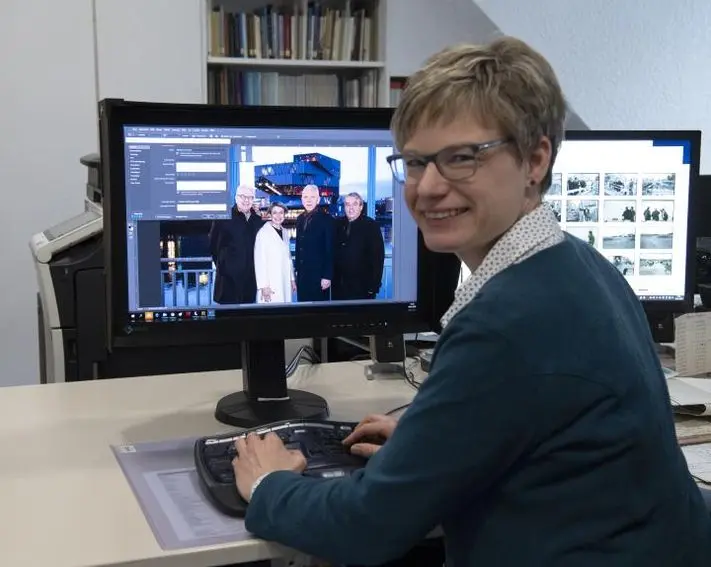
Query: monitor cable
[411, 380]
[305, 352]
[398, 409]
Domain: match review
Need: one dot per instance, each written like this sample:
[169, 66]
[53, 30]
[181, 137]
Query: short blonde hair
[504, 84]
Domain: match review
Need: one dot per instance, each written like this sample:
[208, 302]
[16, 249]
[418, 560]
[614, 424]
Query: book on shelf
[304, 31]
[397, 84]
[229, 85]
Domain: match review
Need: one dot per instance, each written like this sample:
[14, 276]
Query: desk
[64, 501]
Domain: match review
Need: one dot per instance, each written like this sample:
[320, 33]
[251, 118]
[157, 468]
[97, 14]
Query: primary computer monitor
[202, 207]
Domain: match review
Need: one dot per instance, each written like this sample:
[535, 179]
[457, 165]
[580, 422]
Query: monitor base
[238, 410]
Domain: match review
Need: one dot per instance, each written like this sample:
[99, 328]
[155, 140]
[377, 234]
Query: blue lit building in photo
[283, 182]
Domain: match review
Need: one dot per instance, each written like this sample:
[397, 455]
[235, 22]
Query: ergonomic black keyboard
[321, 442]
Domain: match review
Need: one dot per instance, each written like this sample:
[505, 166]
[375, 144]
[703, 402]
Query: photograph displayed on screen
[268, 224]
[629, 200]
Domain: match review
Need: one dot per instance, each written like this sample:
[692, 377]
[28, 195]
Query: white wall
[418, 28]
[151, 50]
[643, 65]
[47, 121]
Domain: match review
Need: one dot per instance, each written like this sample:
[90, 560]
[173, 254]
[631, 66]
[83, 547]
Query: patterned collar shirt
[533, 233]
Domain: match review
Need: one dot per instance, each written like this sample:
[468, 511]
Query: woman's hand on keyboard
[370, 434]
[257, 457]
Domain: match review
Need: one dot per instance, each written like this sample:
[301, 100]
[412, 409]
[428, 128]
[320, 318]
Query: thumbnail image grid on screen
[231, 213]
[629, 200]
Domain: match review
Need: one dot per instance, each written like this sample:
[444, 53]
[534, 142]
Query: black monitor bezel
[694, 138]
[274, 323]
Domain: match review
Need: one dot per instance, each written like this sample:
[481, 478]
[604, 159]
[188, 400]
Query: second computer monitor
[629, 195]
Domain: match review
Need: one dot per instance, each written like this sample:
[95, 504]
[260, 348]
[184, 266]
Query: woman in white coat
[272, 260]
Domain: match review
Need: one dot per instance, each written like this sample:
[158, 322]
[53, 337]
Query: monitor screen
[222, 219]
[629, 199]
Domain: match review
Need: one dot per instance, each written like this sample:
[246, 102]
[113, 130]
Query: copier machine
[69, 260]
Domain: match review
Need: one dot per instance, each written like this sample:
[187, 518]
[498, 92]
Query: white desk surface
[64, 501]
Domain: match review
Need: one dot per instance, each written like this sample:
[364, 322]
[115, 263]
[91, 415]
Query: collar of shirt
[534, 232]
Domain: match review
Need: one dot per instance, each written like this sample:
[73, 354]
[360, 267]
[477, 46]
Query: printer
[68, 260]
[71, 305]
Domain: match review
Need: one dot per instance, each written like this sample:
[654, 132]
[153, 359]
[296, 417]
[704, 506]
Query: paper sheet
[694, 394]
[692, 333]
[165, 483]
[698, 459]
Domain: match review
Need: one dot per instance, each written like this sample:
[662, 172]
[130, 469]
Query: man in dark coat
[314, 249]
[359, 253]
[232, 249]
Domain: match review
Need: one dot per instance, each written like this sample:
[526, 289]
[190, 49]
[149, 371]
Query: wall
[47, 120]
[144, 56]
[643, 66]
[418, 28]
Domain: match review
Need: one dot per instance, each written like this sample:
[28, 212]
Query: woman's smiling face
[471, 197]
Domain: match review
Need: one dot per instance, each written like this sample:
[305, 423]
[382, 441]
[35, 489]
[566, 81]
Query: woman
[539, 438]
[272, 259]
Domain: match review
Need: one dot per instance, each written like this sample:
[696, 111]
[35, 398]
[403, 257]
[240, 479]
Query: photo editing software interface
[220, 219]
[630, 200]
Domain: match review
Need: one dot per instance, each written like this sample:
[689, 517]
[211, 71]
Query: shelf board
[294, 63]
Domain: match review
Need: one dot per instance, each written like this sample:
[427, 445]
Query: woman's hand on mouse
[370, 434]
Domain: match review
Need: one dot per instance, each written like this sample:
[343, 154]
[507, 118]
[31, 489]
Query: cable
[358, 357]
[355, 344]
[397, 409]
[305, 352]
[411, 380]
[409, 374]
[294, 364]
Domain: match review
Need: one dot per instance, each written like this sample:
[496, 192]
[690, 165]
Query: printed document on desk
[692, 332]
[698, 459]
[690, 396]
[165, 483]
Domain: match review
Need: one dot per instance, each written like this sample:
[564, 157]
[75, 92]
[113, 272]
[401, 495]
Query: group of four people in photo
[335, 258]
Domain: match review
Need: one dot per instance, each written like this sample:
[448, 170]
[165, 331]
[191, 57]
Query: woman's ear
[539, 160]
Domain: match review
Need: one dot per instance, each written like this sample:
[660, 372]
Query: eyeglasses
[243, 197]
[454, 163]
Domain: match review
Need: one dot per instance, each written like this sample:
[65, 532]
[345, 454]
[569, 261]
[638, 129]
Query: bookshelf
[296, 53]
[293, 63]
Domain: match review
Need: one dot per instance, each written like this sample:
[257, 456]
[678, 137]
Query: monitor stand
[265, 397]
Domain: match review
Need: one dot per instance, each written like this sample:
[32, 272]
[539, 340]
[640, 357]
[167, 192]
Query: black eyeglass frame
[476, 149]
